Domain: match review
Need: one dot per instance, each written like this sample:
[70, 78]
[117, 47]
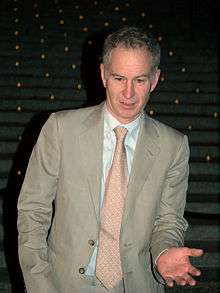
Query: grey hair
[132, 38]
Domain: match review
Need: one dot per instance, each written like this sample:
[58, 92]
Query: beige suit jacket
[61, 194]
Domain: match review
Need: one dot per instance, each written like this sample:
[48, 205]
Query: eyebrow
[139, 76]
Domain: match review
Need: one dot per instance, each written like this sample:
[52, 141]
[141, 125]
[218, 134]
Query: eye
[141, 80]
[118, 78]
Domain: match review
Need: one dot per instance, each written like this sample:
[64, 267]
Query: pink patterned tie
[108, 266]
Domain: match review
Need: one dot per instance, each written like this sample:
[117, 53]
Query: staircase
[49, 56]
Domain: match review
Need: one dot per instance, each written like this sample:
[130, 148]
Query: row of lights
[150, 112]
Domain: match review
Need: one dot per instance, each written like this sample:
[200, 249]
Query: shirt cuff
[160, 255]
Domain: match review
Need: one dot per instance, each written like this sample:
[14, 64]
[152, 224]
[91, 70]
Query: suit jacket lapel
[91, 147]
[145, 154]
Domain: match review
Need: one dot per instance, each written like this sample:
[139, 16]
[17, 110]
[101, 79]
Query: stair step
[199, 233]
[211, 208]
[204, 169]
[203, 187]
[45, 92]
[196, 123]
[206, 197]
[204, 87]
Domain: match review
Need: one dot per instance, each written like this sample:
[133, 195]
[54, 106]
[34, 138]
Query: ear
[102, 71]
[155, 79]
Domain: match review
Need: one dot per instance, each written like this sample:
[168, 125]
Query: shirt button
[91, 242]
[81, 271]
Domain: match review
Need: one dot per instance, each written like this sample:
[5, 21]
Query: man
[117, 224]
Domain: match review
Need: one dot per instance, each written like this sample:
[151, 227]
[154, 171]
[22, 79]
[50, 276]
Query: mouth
[127, 104]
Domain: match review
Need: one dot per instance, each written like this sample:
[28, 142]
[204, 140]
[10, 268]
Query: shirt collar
[111, 122]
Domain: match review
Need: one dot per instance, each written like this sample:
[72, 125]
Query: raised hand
[174, 266]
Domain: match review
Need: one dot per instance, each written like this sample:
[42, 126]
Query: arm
[171, 259]
[35, 208]
[170, 225]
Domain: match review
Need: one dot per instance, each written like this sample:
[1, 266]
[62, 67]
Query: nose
[128, 91]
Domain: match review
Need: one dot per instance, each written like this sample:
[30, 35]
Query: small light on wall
[73, 66]
[151, 112]
[124, 19]
[18, 84]
[79, 86]
[61, 22]
[170, 53]
[47, 74]
[81, 17]
[189, 127]
[95, 2]
[215, 114]
[16, 33]
[37, 15]
[143, 14]
[17, 47]
[183, 69]
[17, 63]
[66, 49]
[89, 42]
[60, 11]
[42, 40]
[85, 29]
[106, 23]
[16, 20]
[159, 38]
[43, 56]
[162, 78]
[52, 97]
[208, 158]
[150, 26]
[18, 172]
[20, 137]
[41, 27]
[127, 4]
[197, 90]
[19, 108]
[116, 8]
[177, 101]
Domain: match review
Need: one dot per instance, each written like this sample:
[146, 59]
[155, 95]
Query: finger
[169, 281]
[195, 252]
[191, 281]
[194, 271]
[188, 280]
[180, 281]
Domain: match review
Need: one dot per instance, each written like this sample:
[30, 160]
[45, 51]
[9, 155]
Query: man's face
[128, 82]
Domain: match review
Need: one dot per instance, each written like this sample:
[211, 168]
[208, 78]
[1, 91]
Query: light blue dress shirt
[108, 150]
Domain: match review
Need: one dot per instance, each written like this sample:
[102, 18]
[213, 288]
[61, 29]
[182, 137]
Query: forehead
[135, 60]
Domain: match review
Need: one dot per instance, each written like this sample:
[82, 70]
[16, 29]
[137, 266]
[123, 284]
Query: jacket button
[81, 271]
[91, 242]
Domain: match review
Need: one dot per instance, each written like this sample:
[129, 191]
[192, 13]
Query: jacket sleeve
[170, 225]
[35, 209]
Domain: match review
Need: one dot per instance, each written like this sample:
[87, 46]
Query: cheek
[142, 93]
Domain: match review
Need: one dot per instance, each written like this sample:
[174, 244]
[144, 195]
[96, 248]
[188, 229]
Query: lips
[127, 104]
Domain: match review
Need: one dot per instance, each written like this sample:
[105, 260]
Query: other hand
[174, 266]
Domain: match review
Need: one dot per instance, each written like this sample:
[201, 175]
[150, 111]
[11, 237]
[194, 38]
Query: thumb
[195, 252]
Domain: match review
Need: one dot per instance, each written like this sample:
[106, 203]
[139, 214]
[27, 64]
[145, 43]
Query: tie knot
[120, 132]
